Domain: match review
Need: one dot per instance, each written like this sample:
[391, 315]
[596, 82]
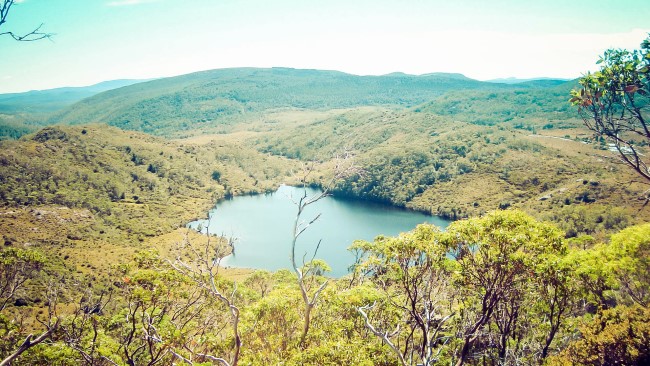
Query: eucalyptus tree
[306, 271]
[493, 288]
[497, 269]
[613, 103]
[412, 270]
[202, 269]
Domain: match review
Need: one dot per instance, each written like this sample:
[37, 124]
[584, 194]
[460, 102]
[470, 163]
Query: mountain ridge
[212, 99]
[48, 100]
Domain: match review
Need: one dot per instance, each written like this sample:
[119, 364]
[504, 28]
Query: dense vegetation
[38, 101]
[540, 108]
[128, 183]
[13, 129]
[23, 113]
[502, 289]
[455, 169]
[547, 263]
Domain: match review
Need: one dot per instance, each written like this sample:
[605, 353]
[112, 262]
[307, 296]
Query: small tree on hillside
[613, 103]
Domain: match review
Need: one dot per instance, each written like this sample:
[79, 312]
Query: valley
[104, 188]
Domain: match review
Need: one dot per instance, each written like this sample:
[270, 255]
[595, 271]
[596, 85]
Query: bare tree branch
[203, 271]
[34, 35]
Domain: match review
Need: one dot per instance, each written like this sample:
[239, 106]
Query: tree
[630, 250]
[17, 266]
[34, 35]
[411, 270]
[305, 274]
[613, 103]
[501, 261]
[202, 269]
[51, 325]
[617, 336]
[494, 289]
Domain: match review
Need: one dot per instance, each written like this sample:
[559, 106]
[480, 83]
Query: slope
[125, 186]
[213, 100]
[454, 168]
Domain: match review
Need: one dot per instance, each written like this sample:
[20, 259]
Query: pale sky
[98, 40]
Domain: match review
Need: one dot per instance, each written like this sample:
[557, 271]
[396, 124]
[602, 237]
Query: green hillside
[211, 99]
[133, 185]
[453, 168]
[93, 216]
[544, 106]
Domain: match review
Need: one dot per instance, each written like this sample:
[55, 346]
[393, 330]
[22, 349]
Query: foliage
[532, 109]
[614, 103]
[13, 130]
[212, 99]
[501, 260]
[502, 288]
[630, 251]
[139, 185]
[17, 266]
[611, 337]
[411, 270]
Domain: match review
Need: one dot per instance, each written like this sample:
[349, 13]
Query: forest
[547, 260]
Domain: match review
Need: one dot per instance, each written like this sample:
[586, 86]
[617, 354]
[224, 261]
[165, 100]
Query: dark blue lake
[262, 227]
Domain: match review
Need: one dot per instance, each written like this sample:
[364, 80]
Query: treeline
[13, 130]
[500, 289]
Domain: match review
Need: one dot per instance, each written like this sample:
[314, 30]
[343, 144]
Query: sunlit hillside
[381, 183]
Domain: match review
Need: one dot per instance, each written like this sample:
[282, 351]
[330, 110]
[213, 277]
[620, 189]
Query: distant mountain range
[225, 96]
[40, 101]
[512, 80]
[208, 99]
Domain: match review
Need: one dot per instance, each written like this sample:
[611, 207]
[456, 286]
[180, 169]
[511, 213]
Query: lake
[262, 228]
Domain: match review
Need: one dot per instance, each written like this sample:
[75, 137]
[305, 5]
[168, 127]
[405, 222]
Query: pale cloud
[130, 2]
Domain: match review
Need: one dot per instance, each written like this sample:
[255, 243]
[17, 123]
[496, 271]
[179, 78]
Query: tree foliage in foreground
[499, 289]
[614, 103]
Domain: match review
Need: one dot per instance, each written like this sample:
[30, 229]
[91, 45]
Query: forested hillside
[214, 100]
[39, 101]
[132, 185]
[533, 108]
[456, 169]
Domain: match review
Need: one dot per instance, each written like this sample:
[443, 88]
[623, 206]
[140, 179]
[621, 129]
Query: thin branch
[384, 336]
[31, 36]
[28, 343]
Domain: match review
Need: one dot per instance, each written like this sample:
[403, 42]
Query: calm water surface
[262, 227]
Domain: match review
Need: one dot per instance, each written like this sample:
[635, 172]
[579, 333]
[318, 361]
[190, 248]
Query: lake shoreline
[261, 225]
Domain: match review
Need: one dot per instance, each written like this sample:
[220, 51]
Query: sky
[99, 40]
